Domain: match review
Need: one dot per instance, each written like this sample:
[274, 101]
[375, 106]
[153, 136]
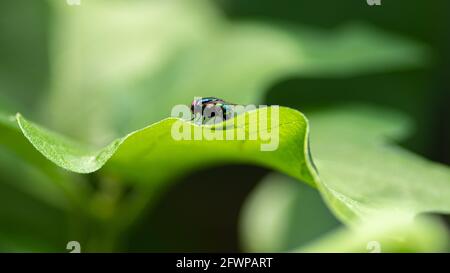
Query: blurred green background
[196, 214]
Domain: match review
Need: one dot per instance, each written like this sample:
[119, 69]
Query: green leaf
[35, 194]
[146, 62]
[363, 174]
[32, 173]
[151, 154]
[281, 214]
[385, 233]
[363, 171]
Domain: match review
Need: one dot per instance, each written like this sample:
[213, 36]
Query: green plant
[117, 95]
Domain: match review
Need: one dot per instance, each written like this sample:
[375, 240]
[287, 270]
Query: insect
[211, 107]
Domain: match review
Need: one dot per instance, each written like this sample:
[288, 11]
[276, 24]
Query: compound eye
[195, 105]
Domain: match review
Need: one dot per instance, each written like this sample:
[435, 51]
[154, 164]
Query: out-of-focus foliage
[385, 233]
[117, 60]
[43, 203]
[348, 144]
[23, 54]
[282, 214]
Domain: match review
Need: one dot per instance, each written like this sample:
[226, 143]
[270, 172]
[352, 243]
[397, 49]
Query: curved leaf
[36, 195]
[151, 154]
[37, 176]
[362, 167]
[361, 173]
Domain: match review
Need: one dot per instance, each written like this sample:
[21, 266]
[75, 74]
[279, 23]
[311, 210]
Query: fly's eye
[195, 105]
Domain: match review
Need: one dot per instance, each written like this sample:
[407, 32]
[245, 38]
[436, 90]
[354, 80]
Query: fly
[210, 107]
